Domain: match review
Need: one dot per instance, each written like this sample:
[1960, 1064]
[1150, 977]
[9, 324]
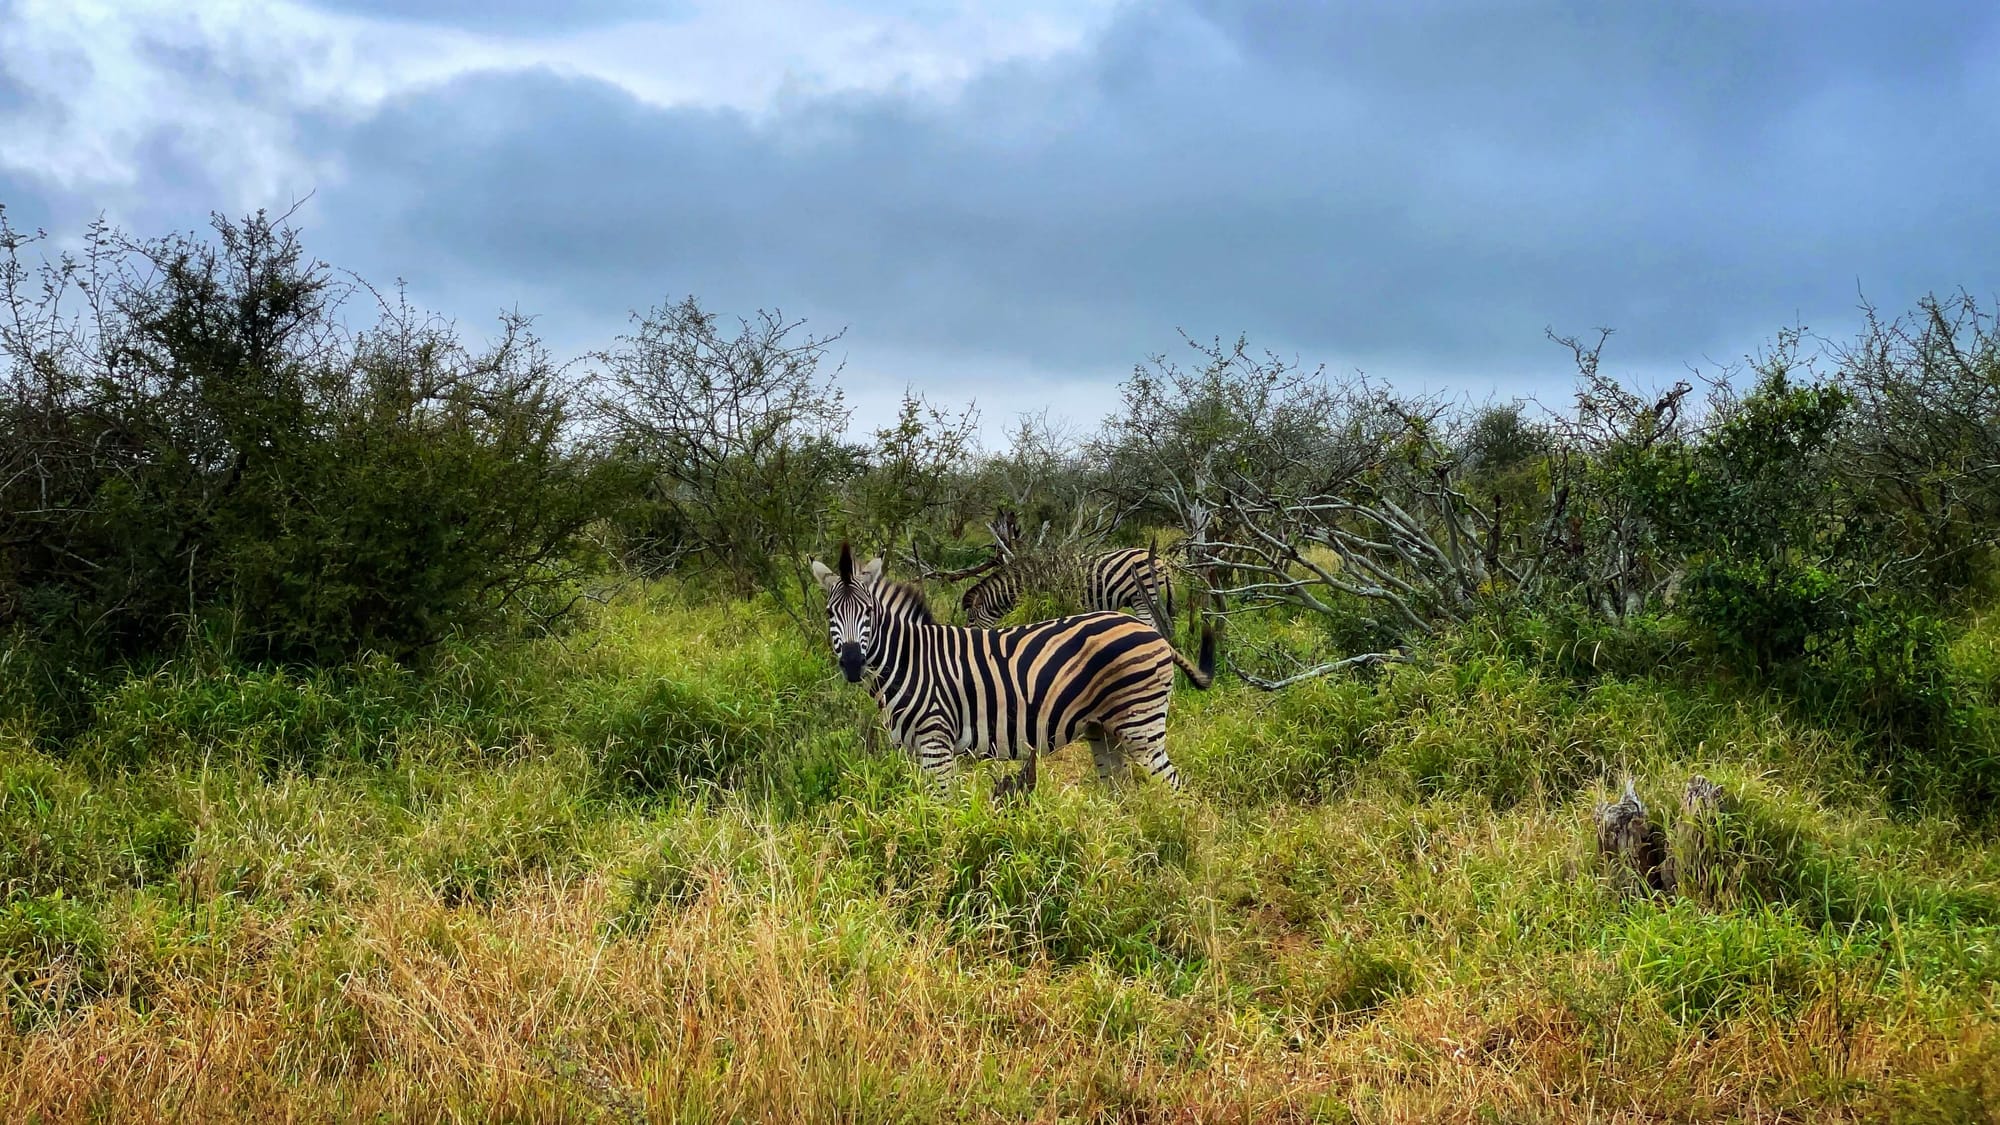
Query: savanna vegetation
[397, 724]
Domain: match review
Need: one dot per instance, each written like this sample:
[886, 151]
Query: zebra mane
[904, 600]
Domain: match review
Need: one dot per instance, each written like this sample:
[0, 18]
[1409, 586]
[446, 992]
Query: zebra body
[1007, 693]
[1130, 578]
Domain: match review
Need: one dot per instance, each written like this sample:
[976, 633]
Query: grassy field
[652, 870]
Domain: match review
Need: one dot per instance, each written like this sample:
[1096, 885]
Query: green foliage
[1755, 487]
[759, 718]
[737, 439]
[1921, 462]
[1030, 883]
[213, 459]
[1759, 614]
[1304, 744]
[1708, 970]
[1573, 643]
[1352, 858]
[488, 837]
[1887, 673]
[268, 717]
[914, 472]
[1767, 848]
[53, 956]
[60, 834]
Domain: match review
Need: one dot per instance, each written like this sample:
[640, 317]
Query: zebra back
[1128, 578]
[992, 598]
[1009, 693]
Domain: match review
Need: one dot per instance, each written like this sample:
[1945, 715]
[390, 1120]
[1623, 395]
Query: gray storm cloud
[1422, 187]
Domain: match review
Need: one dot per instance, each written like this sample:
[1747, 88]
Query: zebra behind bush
[1007, 693]
[1129, 578]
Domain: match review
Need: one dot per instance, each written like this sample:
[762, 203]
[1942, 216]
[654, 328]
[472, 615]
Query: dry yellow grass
[1375, 903]
[759, 997]
[734, 1008]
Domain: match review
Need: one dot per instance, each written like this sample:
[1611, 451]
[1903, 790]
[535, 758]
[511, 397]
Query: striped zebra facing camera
[1007, 693]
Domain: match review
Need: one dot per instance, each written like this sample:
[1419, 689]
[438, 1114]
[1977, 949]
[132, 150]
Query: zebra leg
[939, 764]
[1147, 743]
[1112, 768]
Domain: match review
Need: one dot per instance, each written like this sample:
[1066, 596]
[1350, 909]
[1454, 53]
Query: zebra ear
[827, 579]
[871, 573]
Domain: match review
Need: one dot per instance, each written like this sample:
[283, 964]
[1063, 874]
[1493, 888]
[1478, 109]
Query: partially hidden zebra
[1007, 693]
[1129, 578]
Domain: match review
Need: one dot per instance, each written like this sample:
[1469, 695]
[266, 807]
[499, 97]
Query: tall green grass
[658, 866]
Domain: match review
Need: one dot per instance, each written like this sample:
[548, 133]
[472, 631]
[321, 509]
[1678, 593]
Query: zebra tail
[1199, 674]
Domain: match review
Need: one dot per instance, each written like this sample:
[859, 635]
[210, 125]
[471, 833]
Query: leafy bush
[1887, 674]
[1758, 615]
[210, 455]
[1921, 459]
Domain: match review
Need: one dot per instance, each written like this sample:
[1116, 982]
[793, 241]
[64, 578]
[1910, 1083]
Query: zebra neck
[894, 652]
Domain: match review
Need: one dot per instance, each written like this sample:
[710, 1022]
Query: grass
[653, 870]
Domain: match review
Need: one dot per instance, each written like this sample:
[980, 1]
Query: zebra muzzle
[851, 662]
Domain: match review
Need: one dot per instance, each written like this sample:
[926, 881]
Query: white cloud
[219, 87]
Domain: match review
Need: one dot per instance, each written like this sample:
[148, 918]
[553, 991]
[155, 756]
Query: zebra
[1133, 577]
[1008, 693]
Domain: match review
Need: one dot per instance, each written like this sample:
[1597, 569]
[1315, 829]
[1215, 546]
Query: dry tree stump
[1637, 850]
[1634, 847]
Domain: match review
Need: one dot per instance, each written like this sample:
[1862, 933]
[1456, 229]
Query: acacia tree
[1388, 517]
[1187, 437]
[1328, 498]
[740, 437]
[1619, 457]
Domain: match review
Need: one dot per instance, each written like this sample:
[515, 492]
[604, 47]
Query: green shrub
[1759, 615]
[1888, 675]
[220, 462]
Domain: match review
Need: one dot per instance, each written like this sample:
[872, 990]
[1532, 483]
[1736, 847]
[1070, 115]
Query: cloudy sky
[1017, 200]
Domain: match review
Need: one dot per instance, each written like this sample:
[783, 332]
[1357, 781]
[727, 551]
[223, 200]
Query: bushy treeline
[198, 446]
[220, 444]
[195, 446]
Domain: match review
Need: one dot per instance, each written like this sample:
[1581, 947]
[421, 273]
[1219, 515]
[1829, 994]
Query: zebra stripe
[1007, 693]
[1130, 578]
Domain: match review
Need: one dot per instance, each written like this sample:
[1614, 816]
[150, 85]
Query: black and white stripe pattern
[1007, 693]
[1130, 578]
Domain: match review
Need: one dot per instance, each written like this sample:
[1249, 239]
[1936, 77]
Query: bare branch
[1319, 670]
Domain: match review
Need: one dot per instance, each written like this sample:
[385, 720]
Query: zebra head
[850, 610]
